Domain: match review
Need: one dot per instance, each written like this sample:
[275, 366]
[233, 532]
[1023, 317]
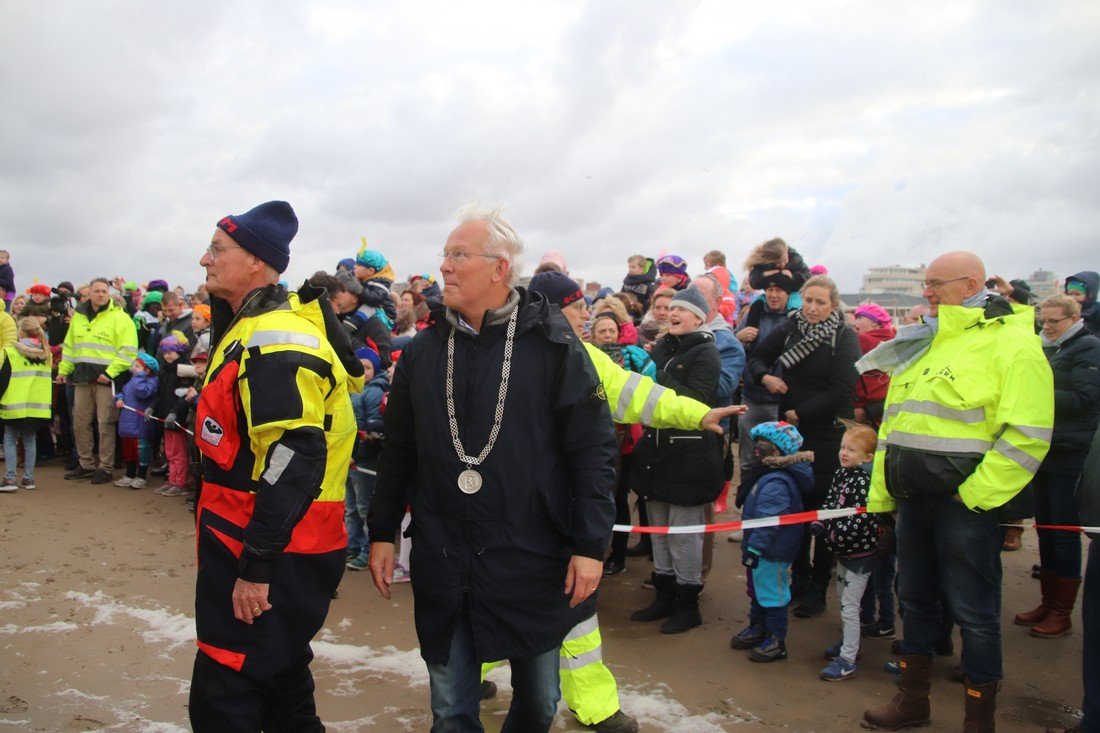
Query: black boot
[665, 602]
[686, 616]
[813, 601]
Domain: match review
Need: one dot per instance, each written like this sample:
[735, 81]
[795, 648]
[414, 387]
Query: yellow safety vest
[30, 390]
[107, 341]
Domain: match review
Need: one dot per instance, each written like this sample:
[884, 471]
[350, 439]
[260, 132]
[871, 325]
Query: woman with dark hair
[809, 363]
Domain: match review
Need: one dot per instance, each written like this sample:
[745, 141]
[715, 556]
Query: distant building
[1044, 284]
[893, 279]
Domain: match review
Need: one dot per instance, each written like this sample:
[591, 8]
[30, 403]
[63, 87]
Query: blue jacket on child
[139, 393]
[779, 491]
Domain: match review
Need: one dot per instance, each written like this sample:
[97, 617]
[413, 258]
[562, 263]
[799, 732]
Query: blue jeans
[1056, 503]
[30, 452]
[880, 589]
[1090, 657]
[456, 688]
[357, 495]
[944, 545]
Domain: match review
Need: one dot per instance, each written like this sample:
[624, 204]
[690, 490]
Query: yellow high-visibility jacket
[30, 389]
[635, 398]
[983, 389]
[104, 342]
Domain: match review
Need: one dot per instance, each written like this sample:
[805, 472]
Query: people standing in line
[967, 424]
[100, 345]
[809, 362]
[276, 430]
[499, 437]
[1074, 357]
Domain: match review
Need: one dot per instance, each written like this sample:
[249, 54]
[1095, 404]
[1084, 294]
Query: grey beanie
[349, 282]
[691, 300]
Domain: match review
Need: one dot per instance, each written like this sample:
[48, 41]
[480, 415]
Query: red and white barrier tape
[153, 417]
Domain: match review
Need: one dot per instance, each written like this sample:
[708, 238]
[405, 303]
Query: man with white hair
[499, 437]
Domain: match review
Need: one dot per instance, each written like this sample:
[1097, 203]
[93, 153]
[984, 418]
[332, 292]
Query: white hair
[503, 239]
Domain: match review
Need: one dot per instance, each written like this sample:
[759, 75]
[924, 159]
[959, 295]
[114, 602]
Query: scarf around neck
[1066, 336]
[812, 336]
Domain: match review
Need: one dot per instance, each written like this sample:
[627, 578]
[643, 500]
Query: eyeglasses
[216, 249]
[937, 284]
[1044, 321]
[459, 256]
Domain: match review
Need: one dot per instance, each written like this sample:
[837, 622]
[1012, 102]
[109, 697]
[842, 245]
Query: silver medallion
[469, 481]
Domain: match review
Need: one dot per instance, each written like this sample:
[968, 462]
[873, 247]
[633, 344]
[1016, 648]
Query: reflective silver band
[583, 628]
[938, 444]
[1036, 433]
[283, 338]
[935, 409]
[581, 660]
[651, 404]
[626, 396]
[1027, 462]
[26, 406]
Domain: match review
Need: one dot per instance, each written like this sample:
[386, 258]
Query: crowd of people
[361, 423]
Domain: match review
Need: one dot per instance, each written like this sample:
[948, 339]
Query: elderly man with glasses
[967, 423]
[499, 437]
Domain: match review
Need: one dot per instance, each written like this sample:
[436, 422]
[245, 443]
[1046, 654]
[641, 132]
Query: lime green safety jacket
[635, 398]
[981, 398]
[30, 390]
[98, 343]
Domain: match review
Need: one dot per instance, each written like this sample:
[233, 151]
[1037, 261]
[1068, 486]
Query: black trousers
[225, 701]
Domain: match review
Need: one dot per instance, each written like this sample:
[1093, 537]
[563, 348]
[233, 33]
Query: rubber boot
[686, 616]
[665, 602]
[1063, 597]
[813, 601]
[981, 707]
[910, 707]
[1038, 615]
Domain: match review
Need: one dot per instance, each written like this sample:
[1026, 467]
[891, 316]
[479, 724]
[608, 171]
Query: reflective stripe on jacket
[635, 398]
[30, 390]
[103, 342]
[983, 389]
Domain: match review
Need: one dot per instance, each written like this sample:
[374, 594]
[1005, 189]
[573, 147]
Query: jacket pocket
[912, 473]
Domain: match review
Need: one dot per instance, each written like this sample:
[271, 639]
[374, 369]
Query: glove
[749, 558]
[148, 412]
[172, 421]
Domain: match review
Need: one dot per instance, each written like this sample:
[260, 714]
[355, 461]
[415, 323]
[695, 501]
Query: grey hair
[503, 239]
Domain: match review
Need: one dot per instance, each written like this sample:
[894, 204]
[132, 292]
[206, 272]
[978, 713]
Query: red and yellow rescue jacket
[276, 430]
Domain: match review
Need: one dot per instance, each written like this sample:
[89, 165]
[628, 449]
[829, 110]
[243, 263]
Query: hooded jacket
[777, 492]
[1090, 310]
[1076, 369]
[502, 552]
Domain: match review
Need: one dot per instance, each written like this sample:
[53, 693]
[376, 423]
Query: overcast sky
[864, 133]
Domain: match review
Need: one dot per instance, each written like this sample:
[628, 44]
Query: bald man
[968, 420]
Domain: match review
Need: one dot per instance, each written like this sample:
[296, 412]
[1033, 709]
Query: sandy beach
[97, 633]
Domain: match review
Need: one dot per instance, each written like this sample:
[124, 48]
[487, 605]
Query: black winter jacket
[820, 387]
[682, 467]
[504, 551]
[1076, 367]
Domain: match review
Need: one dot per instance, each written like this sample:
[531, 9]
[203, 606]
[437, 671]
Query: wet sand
[96, 633]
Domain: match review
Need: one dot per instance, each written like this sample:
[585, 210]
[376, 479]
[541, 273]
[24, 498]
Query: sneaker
[833, 652]
[8, 486]
[838, 669]
[769, 650]
[648, 582]
[892, 667]
[172, 490]
[159, 471]
[488, 689]
[28, 484]
[620, 722]
[748, 637]
[160, 491]
[125, 482]
[613, 567]
[137, 483]
[79, 473]
[101, 476]
[736, 536]
[878, 630]
[357, 563]
[401, 575]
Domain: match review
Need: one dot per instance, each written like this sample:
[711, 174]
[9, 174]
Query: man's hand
[791, 417]
[774, 384]
[747, 335]
[381, 566]
[249, 600]
[103, 379]
[582, 579]
[61, 379]
[711, 419]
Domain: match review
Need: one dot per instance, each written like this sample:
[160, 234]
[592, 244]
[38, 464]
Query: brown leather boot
[981, 707]
[910, 707]
[1038, 615]
[1062, 599]
[1013, 537]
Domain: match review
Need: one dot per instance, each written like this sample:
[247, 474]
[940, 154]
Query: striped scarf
[812, 336]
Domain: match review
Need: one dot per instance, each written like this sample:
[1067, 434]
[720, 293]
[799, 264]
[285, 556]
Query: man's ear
[500, 273]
